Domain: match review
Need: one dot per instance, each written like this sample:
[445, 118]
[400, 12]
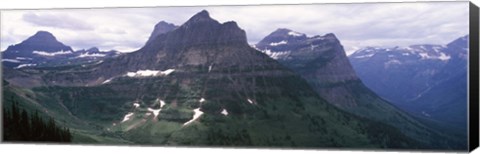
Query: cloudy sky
[356, 25]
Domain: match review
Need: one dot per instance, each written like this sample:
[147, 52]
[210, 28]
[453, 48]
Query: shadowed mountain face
[322, 61]
[426, 80]
[202, 84]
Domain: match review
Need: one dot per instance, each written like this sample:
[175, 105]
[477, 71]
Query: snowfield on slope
[149, 73]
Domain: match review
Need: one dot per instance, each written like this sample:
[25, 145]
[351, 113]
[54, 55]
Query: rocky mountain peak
[93, 49]
[202, 16]
[42, 35]
[160, 28]
[323, 54]
[201, 29]
[201, 41]
[461, 42]
[330, 36]
[40, 41]
[283, 34]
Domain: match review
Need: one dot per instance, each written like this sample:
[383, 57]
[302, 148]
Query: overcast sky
[356, 25]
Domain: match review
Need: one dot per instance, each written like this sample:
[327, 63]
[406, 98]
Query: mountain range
[44, 50]
[427, 80]
[322, 62]
[202, 84]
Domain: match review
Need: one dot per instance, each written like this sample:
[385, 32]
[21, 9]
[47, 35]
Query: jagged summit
[201, 29]
[200, 42]
[160, 28]
[201, 17]
[283, 43]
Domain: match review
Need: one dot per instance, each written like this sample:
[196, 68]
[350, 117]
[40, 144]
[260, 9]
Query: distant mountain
[43, 49]
[428, 80]
[202, 84]
[322, 61]
[40, 41]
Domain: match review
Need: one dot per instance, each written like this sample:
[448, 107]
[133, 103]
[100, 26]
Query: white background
[85, 149]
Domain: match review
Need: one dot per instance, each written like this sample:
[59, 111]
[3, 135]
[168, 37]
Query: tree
[20, 126]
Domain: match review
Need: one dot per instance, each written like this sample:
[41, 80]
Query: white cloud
[57, 21]
[356, 25]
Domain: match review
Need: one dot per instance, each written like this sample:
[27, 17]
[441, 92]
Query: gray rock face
[319, 59]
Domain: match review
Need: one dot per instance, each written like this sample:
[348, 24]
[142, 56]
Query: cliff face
[321, 60]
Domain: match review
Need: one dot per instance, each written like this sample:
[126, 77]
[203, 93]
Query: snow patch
[167, 72]
[442, 56]
[51, 54]
[91, 55]
[136, 105]
[11, 60]
[202, 100]
[250, 101]
[437, 49]
[365, 56]
[23, 58]
[394, 61]
[278, 43]
[292, 33]
[197, 114]
[127, 117]
[224, 112]
[107, 81]
[210, 68]
[157, 111]
[99, 62]
[148, 73]
[276, 55]
[25, 65]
